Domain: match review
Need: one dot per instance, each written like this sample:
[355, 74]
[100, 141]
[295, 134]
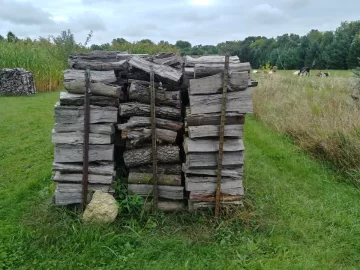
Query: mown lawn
[299, 214]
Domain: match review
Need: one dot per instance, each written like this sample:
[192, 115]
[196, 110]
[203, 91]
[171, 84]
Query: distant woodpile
[16, 82]
[188, 103]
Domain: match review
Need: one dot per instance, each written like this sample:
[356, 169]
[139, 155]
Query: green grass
[299, 214]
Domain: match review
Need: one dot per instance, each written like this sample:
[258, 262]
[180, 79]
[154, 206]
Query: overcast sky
[197, 21]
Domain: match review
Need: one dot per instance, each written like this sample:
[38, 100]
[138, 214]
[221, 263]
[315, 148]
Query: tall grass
[318, 113]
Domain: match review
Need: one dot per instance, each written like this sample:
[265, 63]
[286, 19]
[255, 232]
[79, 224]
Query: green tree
[11, 37]
[1, 38]
[354, 53]
[183, 45]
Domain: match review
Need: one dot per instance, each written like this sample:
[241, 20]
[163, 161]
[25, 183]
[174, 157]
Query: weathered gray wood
[168, 59]
[77, 178]
[204, 160]
[94, 128]
[97, 55]
[138, 109]
[122, 65]
[68, 99]
[201, 185]
[97, 89]
[196, 205]
[147, 178]
[74, 153]
[166, 206]
[140, 121]
[163, 73]
[75, 114]
[212, 119]
[104, 168]
[141, 93]
[166, 192]
[78, 138]
[190, 61]
[212, 145]
[105, 77]
[213, 84]
[204, 70]
[228, 172]
[239, 102]
[165, 154]
[128, 56]
[172, 169]
[139, 135]
[214, 131]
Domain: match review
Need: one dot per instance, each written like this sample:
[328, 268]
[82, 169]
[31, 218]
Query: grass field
[299, 213]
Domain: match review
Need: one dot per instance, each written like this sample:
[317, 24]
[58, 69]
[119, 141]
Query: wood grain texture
[97, 89]
[195, 205]
[212, 119]
[163, 73]
[105, 77]
[165, 154]
[104, 168]
[97, 55]
[166, 192]
[75, 114]
[190, 61]
[138, 109]
[78, 138]
[239, 102]
[69, 99]
[204, 160]
[74, 153]
[212, 145]
[228, 172]
[95, 65]
[139, 135]
[214, 131]
[140, 121]
[94, 128]
[213, 84]
[147, 178]
[172, 169]
[204, 70]
[77, 178]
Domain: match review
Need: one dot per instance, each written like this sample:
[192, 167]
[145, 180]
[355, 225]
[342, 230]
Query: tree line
[337, 49]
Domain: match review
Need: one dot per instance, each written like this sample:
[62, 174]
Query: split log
[163, 73]
[239, 102]
[135, 74]
[205, 186]
[97, 128]
[138, 109]
[77, 178]
[204, 70]
[141, 93]
[74, 153]
[166, 206]
[139, 121]
[204, 160]
[213, 119]
[166, 192]
[128, 56]
[212, 145]
[78, 138]
[214, 131]
[195, 205]
[168, 59]
[165, 154]
[75, 115]
[105, 77]
[214, 84]
[68, 99]
[97, 89]
[105, 168]
[227, 172]
[191, 61]
[223, 198]
[146, 83]
[140, 135]
[122, 65]
[147, 178]
[101, 56]
[174, 169]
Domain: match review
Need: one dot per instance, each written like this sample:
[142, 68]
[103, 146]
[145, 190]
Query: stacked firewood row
[135, 128]
[202, 125]
[16, 82]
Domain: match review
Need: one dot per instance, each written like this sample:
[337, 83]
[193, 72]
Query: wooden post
[86, 138]
[153, 136]
[221, 140]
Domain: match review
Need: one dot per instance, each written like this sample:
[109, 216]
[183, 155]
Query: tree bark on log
[101, 56]
[122, 65]
[128, 56]
[138, 109]
[104, 168]
[226, 172]
[213, 119]
[163, 73]
[238, 102]
[235, 131]
[105, 77]
[191, 61]
[77, 178]
[166, 192]
[78, 138]
[74, 153]
[167, 59]
[75, 115]
[141, 93]
[204, 160]
[214, 84]
[165, 154]
[196, 205]
[97, 89]
[139, 121]
[107, 129]
[172, 169]
[140, 135]
[204, 70]
[212, 145]
[147, 178]
[68, 99]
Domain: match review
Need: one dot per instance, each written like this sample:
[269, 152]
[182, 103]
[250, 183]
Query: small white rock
[101, 209]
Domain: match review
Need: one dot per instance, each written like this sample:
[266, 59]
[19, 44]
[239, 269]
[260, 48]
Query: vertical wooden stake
[86, 138]
[221, 139]
[153, 136]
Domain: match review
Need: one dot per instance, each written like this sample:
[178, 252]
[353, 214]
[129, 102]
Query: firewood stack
[135, 128]
[68, 130]
[16, 82]
[202, 125]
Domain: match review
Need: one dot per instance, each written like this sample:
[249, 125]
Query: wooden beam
[74, 153]
[213, 119]
[140, 121]
[212, 145]
[94, 128]
[78, 138]
[235, 131]
[147, 178]
[138, 109]
[204, 70]
[103, 168]
[97, 89]
[94, 65]
[77, 178]
[204, 160]
[228, 172]
[68, 99]
[105, 77]
[190, 61]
